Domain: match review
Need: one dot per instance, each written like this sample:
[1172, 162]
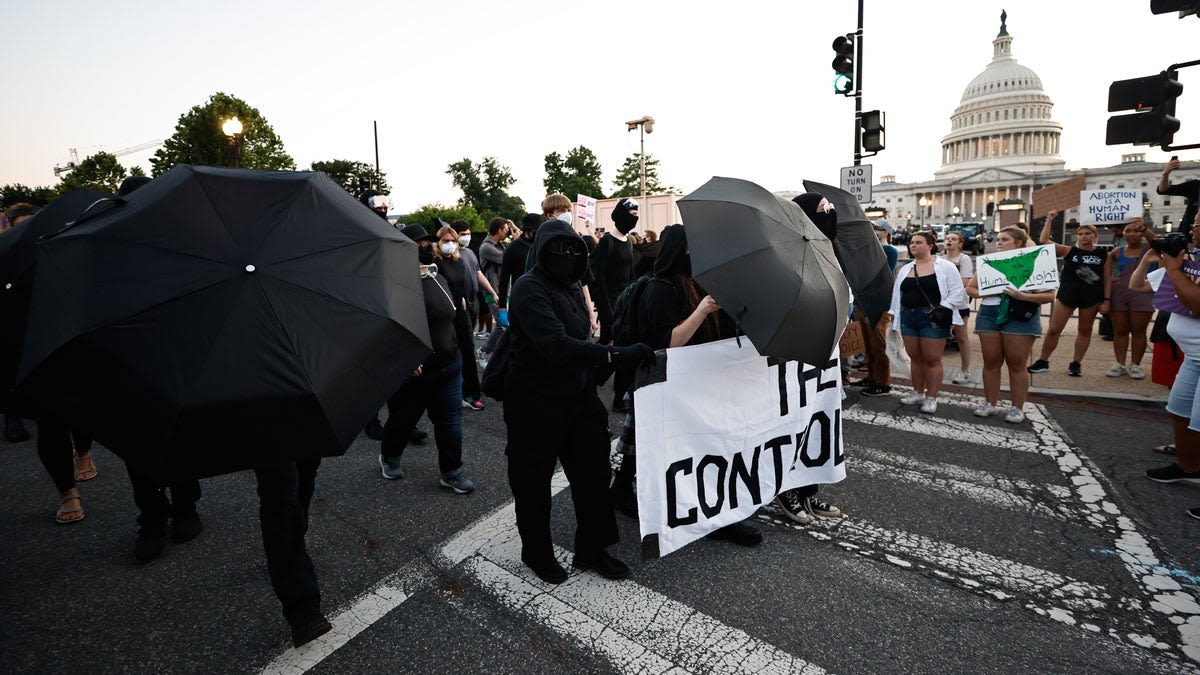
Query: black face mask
[626, 222]
[826, 223]
[557, 268]
[425, 255]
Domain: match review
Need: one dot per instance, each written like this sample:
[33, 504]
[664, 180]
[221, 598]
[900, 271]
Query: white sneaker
[985, 409]
[1014, 416]
[962, 377]
[929, 406]
[1117, 370]
[912, 398]
[1135, 372]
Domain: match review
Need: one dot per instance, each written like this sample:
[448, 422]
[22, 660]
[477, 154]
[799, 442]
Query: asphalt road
[969, 546]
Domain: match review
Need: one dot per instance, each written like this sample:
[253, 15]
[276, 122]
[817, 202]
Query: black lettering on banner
[775, 446]
[722, 465]
[823, 418]
[783, 402]
[813, 373]
[839, 453]
[749, 478]
[683, 466]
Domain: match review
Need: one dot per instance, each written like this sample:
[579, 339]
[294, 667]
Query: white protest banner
[1105, 207]
[1025, 269]
[585, 207]
[725, 432]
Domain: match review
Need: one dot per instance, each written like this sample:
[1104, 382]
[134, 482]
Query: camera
[1170, 244]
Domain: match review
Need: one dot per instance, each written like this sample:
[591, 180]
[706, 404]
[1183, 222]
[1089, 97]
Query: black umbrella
[857, 247]
[768, 266]
[18, 255]
[217, 319]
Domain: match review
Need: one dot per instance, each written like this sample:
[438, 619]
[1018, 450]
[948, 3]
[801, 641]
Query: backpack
[492, 382]
[625, 326]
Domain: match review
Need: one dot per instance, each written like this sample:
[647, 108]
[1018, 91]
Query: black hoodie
[553, 353]
[664, 304]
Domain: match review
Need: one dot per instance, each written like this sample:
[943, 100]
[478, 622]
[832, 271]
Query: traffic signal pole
[858, 73]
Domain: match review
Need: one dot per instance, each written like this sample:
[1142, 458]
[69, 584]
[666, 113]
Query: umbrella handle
[737, 322]
[88, 213]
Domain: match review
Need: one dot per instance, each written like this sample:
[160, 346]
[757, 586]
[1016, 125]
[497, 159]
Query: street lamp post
[924, 203]
[232, 128]
[644, 125]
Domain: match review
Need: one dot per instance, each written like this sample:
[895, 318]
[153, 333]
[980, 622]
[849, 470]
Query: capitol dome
[1002, 121]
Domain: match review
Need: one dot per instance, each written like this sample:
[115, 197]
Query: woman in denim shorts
[926, 283]
[1009, 342]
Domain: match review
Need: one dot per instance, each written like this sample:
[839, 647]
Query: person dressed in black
[612, 271]
[552, 411]
[1188, 189]
[436, 385]
[673, 312]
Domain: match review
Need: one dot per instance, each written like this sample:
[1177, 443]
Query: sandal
[85, 468]
[1168, 449]
[65, 515]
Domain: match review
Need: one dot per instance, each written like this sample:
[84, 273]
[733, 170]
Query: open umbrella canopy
[18, 255]
[768, 266]
[862, 258]
[217, 319]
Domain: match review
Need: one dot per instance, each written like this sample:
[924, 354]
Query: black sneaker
[876, 390]
[186, 528]
[547, 569]
[1074, 370]
[738, 533]
[793, 506]
[1173, 474]
[310, 630]
[1039, 366]
[603, 564]
[149, 544]
[864, 383]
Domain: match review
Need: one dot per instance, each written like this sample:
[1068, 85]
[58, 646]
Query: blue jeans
[440, 393]
[1182, 401]
[914, 322]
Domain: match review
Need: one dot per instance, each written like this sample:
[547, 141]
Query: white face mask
[464, 241]
[565, 217]
[449, 247]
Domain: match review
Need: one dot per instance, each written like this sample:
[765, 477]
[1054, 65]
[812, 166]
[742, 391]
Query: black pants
[56, 445]
[464, 331]
[285, 491]
[154, 508]
[541, 433]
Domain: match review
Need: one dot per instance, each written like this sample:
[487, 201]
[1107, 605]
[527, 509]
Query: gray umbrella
[863, 261]
[768, 266]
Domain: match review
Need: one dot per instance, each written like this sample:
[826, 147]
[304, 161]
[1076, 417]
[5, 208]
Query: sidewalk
[1094, 384]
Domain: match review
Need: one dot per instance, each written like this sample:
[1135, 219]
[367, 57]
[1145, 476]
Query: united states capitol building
[1003, 145]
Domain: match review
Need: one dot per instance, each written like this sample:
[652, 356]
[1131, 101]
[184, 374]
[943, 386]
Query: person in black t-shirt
[1081, 288]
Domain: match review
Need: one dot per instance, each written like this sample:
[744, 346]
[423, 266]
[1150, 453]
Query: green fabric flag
[1002, 311]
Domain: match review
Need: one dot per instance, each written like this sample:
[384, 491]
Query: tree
[100, 171]
[350, 175]
[485, 188]
[579, 174]
[15, 193]
[427, 216]
[198, 138]
[628, 182]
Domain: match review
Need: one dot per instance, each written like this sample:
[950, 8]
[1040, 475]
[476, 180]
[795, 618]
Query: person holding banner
[1129, 310]
[1005, 339]
[926, 297]
[1081, 289]
[552, 411]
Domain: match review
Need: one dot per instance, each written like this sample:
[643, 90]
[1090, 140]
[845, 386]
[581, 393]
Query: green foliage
[579, 174]
[350, 175]
[15, 193]
[198, 138]
[485, 188]
[628, 182]
[427, 216]
[100, 171]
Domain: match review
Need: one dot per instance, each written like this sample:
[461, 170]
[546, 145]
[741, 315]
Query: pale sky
[741, 89]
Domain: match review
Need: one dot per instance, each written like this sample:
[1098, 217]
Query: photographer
[1175, 290]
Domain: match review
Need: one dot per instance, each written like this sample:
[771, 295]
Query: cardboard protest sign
[1025, 269]
[852, 340]
[725, 432]
[1105, 207]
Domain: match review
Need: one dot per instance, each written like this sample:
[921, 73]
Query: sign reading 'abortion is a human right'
[1106, 207]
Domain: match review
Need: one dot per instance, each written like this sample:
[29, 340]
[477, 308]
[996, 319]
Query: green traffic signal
[842, 84]
[843, 64]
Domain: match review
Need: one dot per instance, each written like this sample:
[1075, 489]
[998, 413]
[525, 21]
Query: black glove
[631, 356]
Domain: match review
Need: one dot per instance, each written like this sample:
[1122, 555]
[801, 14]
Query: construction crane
[74, 162]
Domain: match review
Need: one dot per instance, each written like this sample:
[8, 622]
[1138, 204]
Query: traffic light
[843, 64]
[1152, 100]
[872, 130]
[1184, 7]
